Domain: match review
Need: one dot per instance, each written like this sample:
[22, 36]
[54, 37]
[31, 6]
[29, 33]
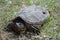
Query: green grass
[8, 8]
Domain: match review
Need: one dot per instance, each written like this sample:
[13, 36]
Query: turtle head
[20, 25]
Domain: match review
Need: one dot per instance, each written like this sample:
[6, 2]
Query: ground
[49, 31]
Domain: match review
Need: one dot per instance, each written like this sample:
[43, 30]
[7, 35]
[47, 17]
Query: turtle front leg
[9, 27]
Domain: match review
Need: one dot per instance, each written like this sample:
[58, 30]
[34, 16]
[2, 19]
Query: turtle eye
[44, 13]
[20, 23]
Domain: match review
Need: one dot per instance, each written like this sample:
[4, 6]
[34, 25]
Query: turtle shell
[33, 14]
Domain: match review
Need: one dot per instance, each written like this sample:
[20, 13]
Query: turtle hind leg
[37, 33]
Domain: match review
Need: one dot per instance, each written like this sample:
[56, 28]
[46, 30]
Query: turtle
[29, 19]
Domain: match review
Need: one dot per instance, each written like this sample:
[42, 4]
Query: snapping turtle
[29, 19]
